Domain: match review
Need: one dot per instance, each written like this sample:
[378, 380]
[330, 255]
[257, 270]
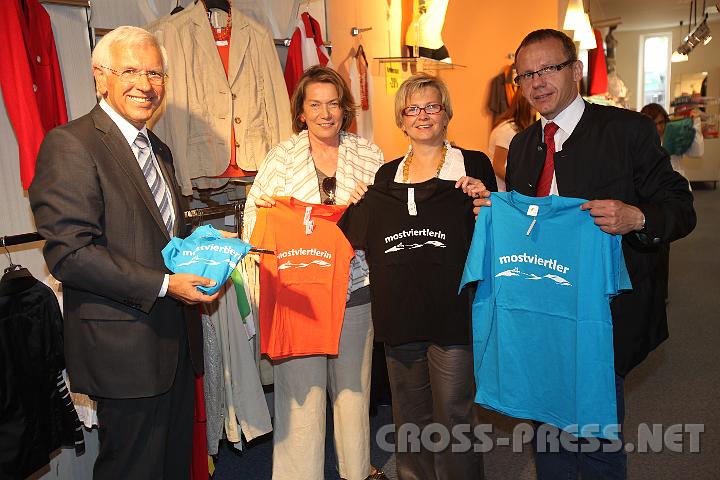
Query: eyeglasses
[430, 109]
[131, 75]
[328, 186]
[550, 69]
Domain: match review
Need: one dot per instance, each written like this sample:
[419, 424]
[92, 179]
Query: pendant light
[585, 35]
[574, 15]
[677, 56]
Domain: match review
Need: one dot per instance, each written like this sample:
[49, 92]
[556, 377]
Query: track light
[701, 34]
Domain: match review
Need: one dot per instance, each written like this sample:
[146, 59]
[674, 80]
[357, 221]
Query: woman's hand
[358, 193]
[472, 186]
[264, 201]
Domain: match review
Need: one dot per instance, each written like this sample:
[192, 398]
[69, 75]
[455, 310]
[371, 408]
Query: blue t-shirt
[206, 253]
[542, 327]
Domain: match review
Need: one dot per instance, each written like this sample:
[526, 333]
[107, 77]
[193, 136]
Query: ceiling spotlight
[701, 34]
[678, 57]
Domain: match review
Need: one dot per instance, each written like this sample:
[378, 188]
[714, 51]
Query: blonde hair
[416, 83]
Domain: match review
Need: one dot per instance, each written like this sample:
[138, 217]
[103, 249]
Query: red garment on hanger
[597, 67]
[294, 67]
[30, 79]
[199, 465]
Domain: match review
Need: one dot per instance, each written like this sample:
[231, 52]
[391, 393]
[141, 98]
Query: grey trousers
[433, 384]
[300, 401]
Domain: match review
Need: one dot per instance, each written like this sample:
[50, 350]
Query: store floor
[677, 387]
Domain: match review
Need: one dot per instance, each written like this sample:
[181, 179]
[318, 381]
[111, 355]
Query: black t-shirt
[416, 261]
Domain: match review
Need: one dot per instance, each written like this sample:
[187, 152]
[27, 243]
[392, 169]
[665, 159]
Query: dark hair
[520, 112]
[546, 34]
[654, 110]
[318, 74]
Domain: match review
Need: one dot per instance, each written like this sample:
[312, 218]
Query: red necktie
[546, 176]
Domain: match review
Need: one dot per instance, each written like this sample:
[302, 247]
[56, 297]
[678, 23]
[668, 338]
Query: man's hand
[614, 216]
[264, 201]
[358, 193]
[472, 186]
[182, 286]
[481, 195]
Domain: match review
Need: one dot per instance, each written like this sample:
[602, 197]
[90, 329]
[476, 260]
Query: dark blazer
[615, 154]
[104, 236]
[477, 165]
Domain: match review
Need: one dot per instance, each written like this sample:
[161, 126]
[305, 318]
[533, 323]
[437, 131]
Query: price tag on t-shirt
[532, 212]
[412, 208]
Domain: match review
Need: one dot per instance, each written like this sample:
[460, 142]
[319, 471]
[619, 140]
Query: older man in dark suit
[106, 200]
[612, 157]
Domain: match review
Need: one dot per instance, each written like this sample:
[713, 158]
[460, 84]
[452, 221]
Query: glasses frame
[329, 185]
[550, 69]
[422, 109]
[137, 74]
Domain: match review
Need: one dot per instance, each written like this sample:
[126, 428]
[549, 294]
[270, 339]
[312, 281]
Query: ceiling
[647, 14]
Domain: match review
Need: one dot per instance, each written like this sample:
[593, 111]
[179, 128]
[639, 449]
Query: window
[654, 78]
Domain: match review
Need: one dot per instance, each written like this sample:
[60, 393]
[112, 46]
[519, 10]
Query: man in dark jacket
[106, 200]
[612, 157]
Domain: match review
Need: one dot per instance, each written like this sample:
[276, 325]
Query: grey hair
[135, 36]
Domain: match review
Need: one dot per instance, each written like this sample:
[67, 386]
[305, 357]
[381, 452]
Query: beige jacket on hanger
[202, 103]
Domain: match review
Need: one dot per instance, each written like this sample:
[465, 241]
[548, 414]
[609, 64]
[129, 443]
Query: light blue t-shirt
[542, 328]
[206, 253]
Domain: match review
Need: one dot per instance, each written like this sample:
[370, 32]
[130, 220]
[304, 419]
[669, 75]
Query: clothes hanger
[178, 8]
[15, 278]
[361, 53]
[223, 5]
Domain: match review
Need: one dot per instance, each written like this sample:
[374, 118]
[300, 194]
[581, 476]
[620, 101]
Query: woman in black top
[432, 382]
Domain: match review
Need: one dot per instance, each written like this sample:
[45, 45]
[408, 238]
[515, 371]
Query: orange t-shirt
[303, 286]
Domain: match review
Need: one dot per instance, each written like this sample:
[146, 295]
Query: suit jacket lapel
[124, 156]
[568, 164]
[163, 157]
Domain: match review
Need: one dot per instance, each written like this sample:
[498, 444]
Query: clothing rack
[68, 3]
[285, 42]
[10, 240]
[232, 208]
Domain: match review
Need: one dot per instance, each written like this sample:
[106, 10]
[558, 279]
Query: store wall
[479, 36]
[704, 58]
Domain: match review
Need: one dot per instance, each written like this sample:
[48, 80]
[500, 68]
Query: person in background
[323, 163]
[515, 119]
[661, 119]
[106, 201]
[430, 381]
[611, 157]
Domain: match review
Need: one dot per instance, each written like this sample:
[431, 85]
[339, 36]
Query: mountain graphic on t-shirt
[402, 246]
[319, 263]
[207, 261]
[515, 272]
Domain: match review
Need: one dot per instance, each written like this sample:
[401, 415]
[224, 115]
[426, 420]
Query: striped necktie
[155, 181]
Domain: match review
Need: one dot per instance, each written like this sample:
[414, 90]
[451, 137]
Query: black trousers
[433, 384]
[148, 438]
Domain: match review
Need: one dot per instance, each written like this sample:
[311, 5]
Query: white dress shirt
[566, 120]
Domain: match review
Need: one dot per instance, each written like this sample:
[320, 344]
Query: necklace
[409, 158]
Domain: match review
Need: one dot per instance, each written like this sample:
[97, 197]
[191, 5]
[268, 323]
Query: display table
[707, 167]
